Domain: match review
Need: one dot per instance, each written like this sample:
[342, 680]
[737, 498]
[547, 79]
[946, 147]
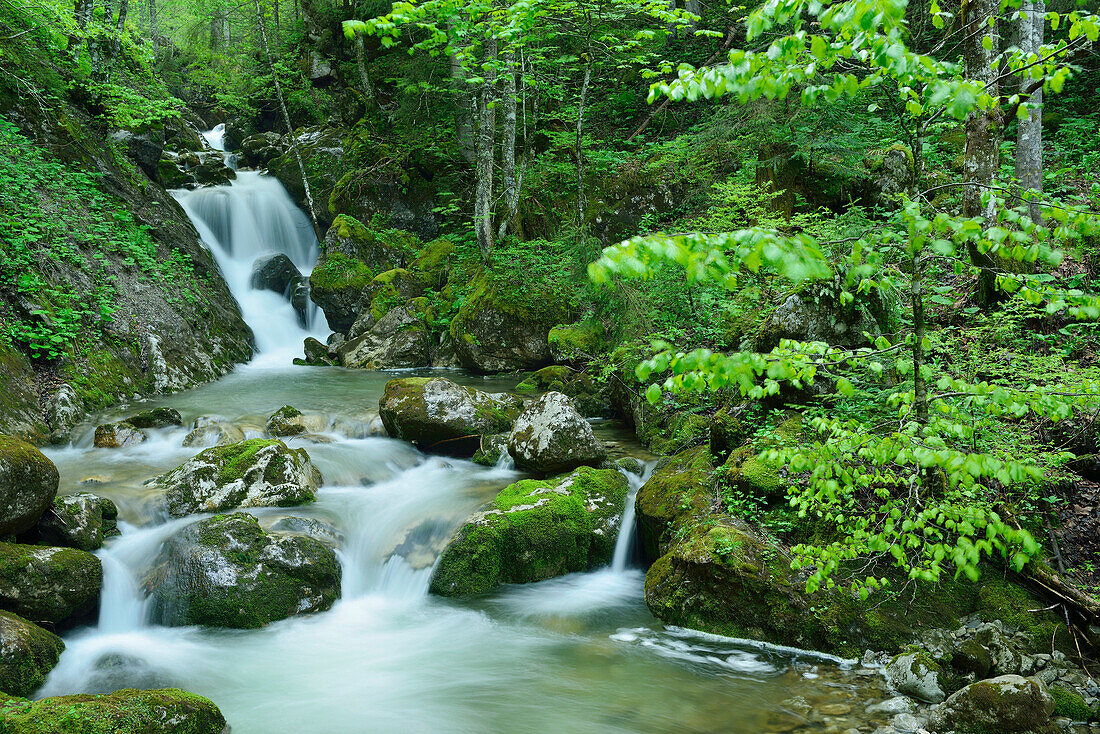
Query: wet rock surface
[550, 436]
[47, 584]
[28, 485]
[27, 654]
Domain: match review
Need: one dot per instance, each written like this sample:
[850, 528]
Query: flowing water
[575, 654]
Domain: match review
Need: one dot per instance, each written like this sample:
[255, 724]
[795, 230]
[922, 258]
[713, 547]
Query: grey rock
[80, 521]
[916, 675]
[64, 409]
[1009, 703]
[46, 584]
[118, 435]
[891, 706]
[213, 434]
[552, 437]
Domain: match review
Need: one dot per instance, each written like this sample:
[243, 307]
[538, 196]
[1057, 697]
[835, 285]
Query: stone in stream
[254, 473]
[1009, 703]
[551, 436]
[278, 274]
[535, 530]
[46, 584]
[917, 675]
[129, 711]
[286, 421]
[80, 521]
[118, 434]
[397, 340]
[156, 418]
[28, 484]
[27, 654]
[225, 571]
[214, 434]
[440, 415]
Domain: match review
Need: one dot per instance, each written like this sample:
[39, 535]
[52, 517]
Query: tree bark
[695, 8]
[580, 143]
[916, 302]
[508, 143]
[486, 150]
[120, 26]
[286, 120]
[466, 114]
[981, 157]
[361, 63]
[1029, 136]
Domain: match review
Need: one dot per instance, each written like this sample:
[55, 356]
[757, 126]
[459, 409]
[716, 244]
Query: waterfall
[624, 544]
[251, 217]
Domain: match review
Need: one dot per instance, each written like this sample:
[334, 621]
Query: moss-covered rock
[46, 584]
[729, 430]
[28, 484]
[27, 654]
[335, 285]
[129, 711]
[81, 521]
[917, 675]
[433, 258]
[213, 434]
[582, 341]
[535, 530]
[501, 327]
[1008, 703]
[286, 421]
[254, 473]
[491, 449]
[156, 418]
[117, 435]
[684, 429]
[678, 491]
[1070, 704]
[386, 291]
[398, 339]
[225, 571]
[591, 399]
[550, 436]
[441, 415]
[20, 412]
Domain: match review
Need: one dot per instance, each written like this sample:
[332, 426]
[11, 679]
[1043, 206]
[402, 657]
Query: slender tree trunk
[508, 143]
[916, 300]
[361, 63]
[275, 16]
[486, 149]
[1029, 137]
[981, 158]
[120, 26]
[695, 8]
[83, 10]
[465, 117]
[154, 26]
[286, 121]
[580, 143]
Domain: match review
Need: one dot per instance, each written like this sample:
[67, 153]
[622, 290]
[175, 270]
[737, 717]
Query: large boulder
[535, 530]
[441, 415]
[258, 149]
[81, 521]
[379, 251]
[551, 436]
[129, 711]
[225, 571]
[28, 484]
[504, 326]
[916, 675]
[27, 654]
[254, 473]
[46, 584]
[336, 284]
[579, 342]
[818, 313]
[1008, 703]
[398, 340]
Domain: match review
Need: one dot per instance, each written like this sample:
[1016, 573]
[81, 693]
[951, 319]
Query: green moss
[283, 422]
[156, 418]
[235, 459]
[168, 711]
[27, 657]
[433, 256]
[526, 301]
[537, 529]
[51, 584]
[582, 340]
[339, 272]
[1069, 704]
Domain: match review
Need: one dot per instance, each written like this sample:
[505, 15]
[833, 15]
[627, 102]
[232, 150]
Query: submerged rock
[227, 572]
[129, 711]
[551, 436]
[156, 418]
[255, 473]
[441, 415]
[1009, 703]
[117, 435]
[27, 654]
[28, 484]
[80, 521]
[535, 530]
[46, 584]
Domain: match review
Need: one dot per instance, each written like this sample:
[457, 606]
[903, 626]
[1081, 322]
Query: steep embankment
[105, 288]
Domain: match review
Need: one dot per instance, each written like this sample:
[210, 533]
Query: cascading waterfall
[251, 217]
[624, 544]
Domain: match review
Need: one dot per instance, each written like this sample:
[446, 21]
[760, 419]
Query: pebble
[835, 709]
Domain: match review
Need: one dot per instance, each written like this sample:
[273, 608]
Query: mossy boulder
[47, 584]
[917, 675]
[729, 430]
[156, 418]
[592, 400]
[254, 473]
[1008, 703]
[753, 477]
[433, 258]
[81, 521]
[679, 490]
[399, 339]
[440, 415]
[550, 437]
[117, 435]
[685, 429]
[336, 284]
[286, 421]
[225, 571]
[535, 530]
[129, 711]
[502, 326]
[316, 353]
[28, 485]
[27, 654]
[582, 341]
[1070, 704]
[491, 449]
[817, 313]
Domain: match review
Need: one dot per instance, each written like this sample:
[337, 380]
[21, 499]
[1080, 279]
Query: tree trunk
[508, 144]
[154, 26]
[83, 10]
[981, 157]
[286, 120]
[695, 8]
[466, 114]
[120, 26]
[916, 302]
[275, 17]
[580, 144]
[486, 149]
[361, 63]
[1029, 137]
